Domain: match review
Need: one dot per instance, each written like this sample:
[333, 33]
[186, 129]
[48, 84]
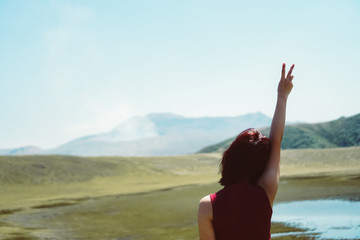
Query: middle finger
[290, 71]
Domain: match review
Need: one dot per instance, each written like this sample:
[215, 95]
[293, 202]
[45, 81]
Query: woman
[250, 170]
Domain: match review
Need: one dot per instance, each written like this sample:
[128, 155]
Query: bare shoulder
[205, 218]
[205, 208]
[206, 199]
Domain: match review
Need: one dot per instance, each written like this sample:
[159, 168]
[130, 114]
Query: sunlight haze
[75, 68]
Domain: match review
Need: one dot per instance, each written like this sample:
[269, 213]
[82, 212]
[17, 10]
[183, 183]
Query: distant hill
[160, 134]
[27, 150]
[343, 132]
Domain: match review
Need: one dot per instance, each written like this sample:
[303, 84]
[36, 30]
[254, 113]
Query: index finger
[290, 71]
[283, 71]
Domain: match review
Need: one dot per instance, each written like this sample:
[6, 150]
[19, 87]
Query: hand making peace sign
[285, 84]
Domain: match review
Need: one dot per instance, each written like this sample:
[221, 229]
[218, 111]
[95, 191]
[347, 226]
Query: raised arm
[270, 178]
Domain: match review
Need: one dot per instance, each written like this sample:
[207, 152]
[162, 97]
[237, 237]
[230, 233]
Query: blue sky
[73, 68]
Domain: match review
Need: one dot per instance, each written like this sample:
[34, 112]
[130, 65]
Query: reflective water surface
[330, 219]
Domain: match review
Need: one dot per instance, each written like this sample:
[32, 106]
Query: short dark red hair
[245, 159]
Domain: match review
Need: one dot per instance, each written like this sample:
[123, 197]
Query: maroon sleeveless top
[241, 211]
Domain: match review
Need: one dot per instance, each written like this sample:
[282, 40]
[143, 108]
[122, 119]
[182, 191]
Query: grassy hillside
[37, 178]
[343, 132]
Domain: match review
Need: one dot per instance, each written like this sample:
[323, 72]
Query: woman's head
[246, 158]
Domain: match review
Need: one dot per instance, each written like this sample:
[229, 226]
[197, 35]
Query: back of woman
[250, 172]
[241, 211]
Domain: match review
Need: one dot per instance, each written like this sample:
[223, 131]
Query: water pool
[328, 218]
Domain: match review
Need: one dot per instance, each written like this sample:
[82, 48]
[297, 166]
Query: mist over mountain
[160, 134]
[343, 132]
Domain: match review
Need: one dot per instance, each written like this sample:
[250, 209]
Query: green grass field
[65, 197]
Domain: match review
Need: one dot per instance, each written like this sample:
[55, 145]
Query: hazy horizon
[160, 113]
[69, 69]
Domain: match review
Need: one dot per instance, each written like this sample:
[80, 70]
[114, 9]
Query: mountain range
[160, 134]
[155, 134]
